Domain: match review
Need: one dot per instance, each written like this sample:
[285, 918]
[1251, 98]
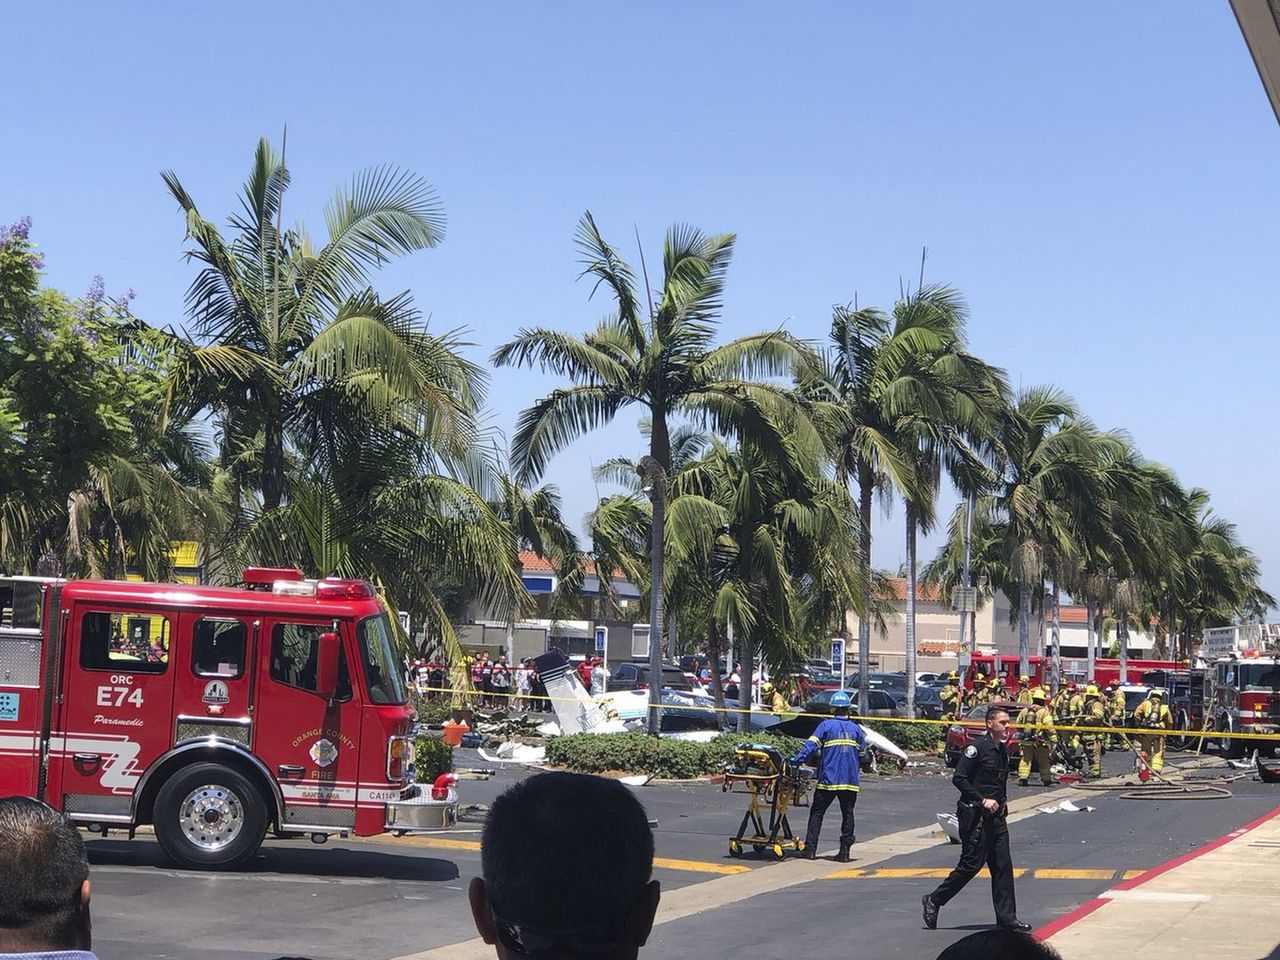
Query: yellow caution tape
[971, 724]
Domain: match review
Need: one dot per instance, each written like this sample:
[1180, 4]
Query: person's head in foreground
[552, 844]
[998, 724]
[999, 945]
[44, 880]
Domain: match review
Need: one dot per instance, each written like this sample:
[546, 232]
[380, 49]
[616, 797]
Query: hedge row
[659, 756]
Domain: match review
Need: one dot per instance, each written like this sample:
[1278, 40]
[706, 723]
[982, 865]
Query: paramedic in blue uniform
[982, 777]
[836, 742]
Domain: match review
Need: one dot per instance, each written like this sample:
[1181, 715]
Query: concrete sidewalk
[1220, 900]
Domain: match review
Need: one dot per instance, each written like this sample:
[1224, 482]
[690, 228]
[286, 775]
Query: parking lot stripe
[663, 863]
[937, 873]
[1064, 873]
[699, 866]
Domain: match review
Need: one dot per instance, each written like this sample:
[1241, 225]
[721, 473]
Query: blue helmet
[840, 699]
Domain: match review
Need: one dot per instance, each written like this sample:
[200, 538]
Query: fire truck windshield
[1258, 676]
[385, 686]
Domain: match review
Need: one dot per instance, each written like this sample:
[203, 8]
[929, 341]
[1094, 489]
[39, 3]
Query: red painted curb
[1082, 911]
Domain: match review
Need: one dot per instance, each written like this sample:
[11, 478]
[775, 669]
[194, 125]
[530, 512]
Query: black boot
[843, 855]
[930, 913]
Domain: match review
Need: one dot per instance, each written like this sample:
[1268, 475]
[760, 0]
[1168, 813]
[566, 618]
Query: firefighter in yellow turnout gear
[978, 693]
[952, 700]
[1024, 689]
[1152, 714]
[1035, 737]
[1094, 715]
[1116, 711]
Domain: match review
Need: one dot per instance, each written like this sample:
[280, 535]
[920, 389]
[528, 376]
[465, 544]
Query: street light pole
[654, 482]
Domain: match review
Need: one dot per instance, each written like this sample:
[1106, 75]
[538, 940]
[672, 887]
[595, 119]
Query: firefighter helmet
[1157, 693]
[840, 700]
[1071, 686]
[995, 683]
[1091, 691]
[979, 677]
[1024, 679]
[1038, 695]
[953, 677]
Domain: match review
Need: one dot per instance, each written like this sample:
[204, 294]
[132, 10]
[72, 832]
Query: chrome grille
[19, 661]
[202, 729]
[106, 806]
[320, 816]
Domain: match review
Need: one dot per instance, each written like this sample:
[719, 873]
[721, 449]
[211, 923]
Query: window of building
[294, 648]
[217, 648]
[135, 642]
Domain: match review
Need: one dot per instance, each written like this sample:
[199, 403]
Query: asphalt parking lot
[391, 897]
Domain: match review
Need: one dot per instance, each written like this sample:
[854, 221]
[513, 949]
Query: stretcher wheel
[777, 851]
[735, 848]
[799, 845]
[758, 847]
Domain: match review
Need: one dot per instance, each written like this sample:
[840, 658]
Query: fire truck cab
[215, 714]
[1245, 698]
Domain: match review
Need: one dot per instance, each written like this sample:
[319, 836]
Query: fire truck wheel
[1230, 747]
[208, 816]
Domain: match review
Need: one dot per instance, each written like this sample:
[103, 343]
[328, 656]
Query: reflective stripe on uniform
[837, 786]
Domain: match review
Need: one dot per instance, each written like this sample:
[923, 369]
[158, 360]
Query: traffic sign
[964, 599]
[602, 639]
[837, 658]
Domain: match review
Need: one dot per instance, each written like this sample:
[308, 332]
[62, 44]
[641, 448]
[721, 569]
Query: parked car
[926, 677]
[882, 703]
[635, 676]
[878, 681]
[973, 724]
[928, 702]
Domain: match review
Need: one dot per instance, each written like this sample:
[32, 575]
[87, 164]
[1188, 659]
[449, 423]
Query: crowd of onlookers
[508, 686]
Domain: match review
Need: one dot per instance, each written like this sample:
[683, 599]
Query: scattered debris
[513, 752]
[1066, 806]
[949, 823]
[639, 780]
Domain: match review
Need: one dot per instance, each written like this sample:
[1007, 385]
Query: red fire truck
[213, 713]
[989, 665]
[1244, 697]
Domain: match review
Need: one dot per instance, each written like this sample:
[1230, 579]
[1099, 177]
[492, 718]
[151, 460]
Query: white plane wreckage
[686, 715]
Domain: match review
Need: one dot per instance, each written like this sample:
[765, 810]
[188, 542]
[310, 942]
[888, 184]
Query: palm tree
[658, 354]
[898, 399]
[1049, 487]
[763, 532]
[943, 407]
[291, 341]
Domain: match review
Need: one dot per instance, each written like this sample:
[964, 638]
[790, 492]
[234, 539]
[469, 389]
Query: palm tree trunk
[1092, 652]
[272, 454]
[911, 612]
[715, 644]
[655, 608]
[866, 487]
[745, 676]
[659, 450]
[1055, 634]
[1122, 634]
[1024, 622]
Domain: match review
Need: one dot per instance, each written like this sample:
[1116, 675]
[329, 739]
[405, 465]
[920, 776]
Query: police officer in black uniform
[982, 777]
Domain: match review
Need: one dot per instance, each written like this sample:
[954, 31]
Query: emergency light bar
[265, 578]
[330, 588]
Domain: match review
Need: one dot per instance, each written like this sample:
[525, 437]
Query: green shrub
[434, 710]
[431, 757]
[663, 758]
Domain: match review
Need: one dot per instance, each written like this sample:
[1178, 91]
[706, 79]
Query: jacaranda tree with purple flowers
[87, 473]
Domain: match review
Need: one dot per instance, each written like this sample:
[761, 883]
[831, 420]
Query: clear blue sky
[1100, 180]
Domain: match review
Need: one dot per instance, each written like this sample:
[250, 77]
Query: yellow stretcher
[771, 784]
